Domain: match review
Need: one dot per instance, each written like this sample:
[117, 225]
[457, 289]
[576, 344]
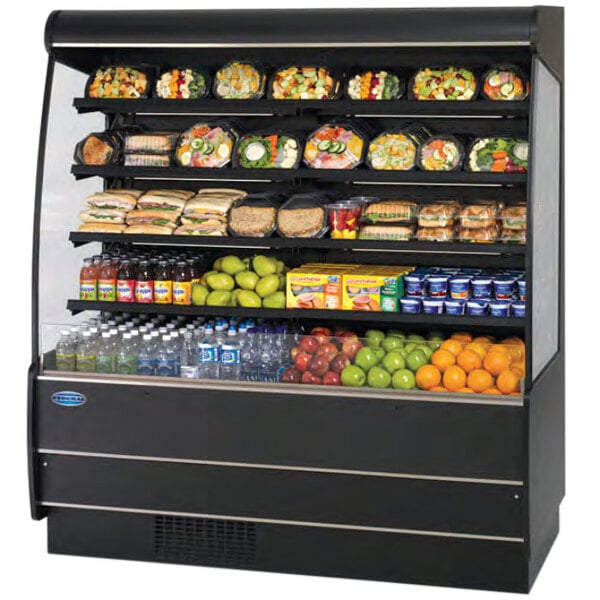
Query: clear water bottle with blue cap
[230, 356]
[208, 355]
[146, 364]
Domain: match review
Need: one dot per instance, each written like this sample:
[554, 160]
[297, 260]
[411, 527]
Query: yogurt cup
[460, 287]
[522, 285]
[481, 287]
[414, 284]
[433, 306]
[411, 305]
[504, 287]
[438, 285]
[477, 307]
[500, 308]
[470, 272]
[518, 308]
[455, 306]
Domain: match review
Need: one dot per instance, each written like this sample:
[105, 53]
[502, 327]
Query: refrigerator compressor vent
[204, 541]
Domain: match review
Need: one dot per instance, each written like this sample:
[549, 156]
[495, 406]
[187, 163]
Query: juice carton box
[315, 287]
[373, 288]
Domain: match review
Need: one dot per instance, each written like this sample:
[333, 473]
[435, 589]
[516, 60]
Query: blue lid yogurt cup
[518, 308]
[504, 287]
[438, 285]
[500, 308]
[460, 287]
[433, 306]
[410, 305]
[455, 306]
[477, 307]
[522, 285]
[481, 287]
[414, 284]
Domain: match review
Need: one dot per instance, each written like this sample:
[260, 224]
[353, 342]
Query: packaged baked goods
[334, 146]
[498, 155]
[374, 85]
[239, 81]
[304, 83]
[118, 82]
[207, 145]
[439, 214]
[157, 141]
[98, 149]
[435, 234]
[505, 82]
[514, 217]
[479, 235]
[303, 216]
[396, 150]
[440, 153]
[267, 151]
[254, 216]
[182, 84]
[390, 211]
[147, 160]
[443, 83]
[478, 216]
[399, 233]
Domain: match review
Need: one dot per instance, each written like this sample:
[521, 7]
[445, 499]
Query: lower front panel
[425, 559]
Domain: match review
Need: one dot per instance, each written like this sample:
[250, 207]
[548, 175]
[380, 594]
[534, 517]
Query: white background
[25, 567]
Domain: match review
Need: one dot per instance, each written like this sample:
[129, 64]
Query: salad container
[504, 82]
[304, 83]
[98, 149]
[375, 85]
[440, 153]
[182, 84]
[344, 218]
[208, 145]
[239, 80]
[122, 82]
[443, 83]
[262, 150]
[334, 146]
[396, 150]
[498, 155]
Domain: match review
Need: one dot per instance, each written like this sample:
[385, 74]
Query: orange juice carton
[373, 288]
[314, 287]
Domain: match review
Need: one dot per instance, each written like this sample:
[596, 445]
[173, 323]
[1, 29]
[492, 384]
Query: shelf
[76, 306]
[266, 106]
[363, 175]
[79, 238]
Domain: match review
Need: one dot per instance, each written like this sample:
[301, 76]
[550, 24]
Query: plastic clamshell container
[411, 304]
[504, 287]
[208, 145]
[254, 216]
[435, 234]
[150, 142]
[498, 155]
[375, 85]
[504, 82]
[459, 286]
[334, 146]
[267, 150]
[118, 81]
[455, 306]
[513, 236]
[394, 150]
[398, 233]
[98, 149]
[303, 216]
[344, 218]
[500, 308]
[433, 306]
[437, 285]
[478, 216]
[518, 308]
[514, 218]
[147, 160]
[477, 307]
[239, 80]
[182, 83]
[296, 82]
[440, 153]
[481, 287]
[478, 235]
[390, 211]
[439, 214]
[443, 83]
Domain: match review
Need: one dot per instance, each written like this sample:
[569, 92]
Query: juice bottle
[107, 281]
[195, 270]
[88, 281]
[144, 283]
[182, 283]
[163, 283]
[125, 282]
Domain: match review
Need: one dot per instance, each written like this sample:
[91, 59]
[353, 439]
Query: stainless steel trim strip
[219, 463]
[145, 511]
[287, 389]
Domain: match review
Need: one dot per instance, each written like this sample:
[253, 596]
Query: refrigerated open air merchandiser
[429, 487]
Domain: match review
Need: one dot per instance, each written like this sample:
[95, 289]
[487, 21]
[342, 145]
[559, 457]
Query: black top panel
[301, 27]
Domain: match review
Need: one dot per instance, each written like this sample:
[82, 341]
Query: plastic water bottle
[249, 359]
[189, 356]
[146, 363]
[127, 356]
[66, 352]
[268, 362]
[86, 353]
[165, 358]
[231, 356]
[208, 355]
[220, 337]
[105, 357]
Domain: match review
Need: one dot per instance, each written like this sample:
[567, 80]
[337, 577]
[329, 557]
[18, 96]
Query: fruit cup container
[344, 219]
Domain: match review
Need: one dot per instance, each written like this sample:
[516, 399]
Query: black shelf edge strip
[76, 306]
[353, 175]
[78, 238]
[342, 106]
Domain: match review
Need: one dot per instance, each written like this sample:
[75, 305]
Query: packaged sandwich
[304, 83]
[390, 211]
[98, 149]
[478, 216]
[334, 146]
[399, 233]
[479, 234]
[254, 216]
[112, 200]
[162, 202]
[158, 141]
[148, 229]
[231, 193]
[436, 234]
[396, 150]
[172, 193]
[182, 84]
[208, 145]
[439, 214]
[263, 150]
[514, 217]
[206, 214]
[147, 160]
[118, 82]
[374, 85]
[505, 82]
[99, 227]
[303, 216]
[443, 83]
[498, 155]
[103, 215]
[239, 81]
[134, 193]
[440, 153]
[513, 236]
[164, 218]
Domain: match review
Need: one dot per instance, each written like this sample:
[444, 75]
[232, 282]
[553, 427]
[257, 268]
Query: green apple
[414, 337]
[402, 351]
[378, 378]
[403, 379]
[435, 341]
[247, 280]
[393, 361]
[232, 264]
[410, 346]
[365, 358]
[374, 337]
[425, 349]
[353, 376]
[396, 333]
[199, 294]
[379, 353]
[392, 343]
[267, 285]
[416, 359]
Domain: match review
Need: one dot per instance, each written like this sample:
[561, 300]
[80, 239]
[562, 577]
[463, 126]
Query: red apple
[327, 351]
[350, 347]
[348, 335]
[321, 330]
[301, 361]
[318, 365]
[294, 351]
[310, 378]
[339, 363]
[331, 378]
[339, 331]
[309, 343]
[291, 375]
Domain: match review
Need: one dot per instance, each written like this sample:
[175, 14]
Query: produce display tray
[76, 306]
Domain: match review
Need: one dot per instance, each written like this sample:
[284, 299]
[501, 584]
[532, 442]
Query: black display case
[440, 489]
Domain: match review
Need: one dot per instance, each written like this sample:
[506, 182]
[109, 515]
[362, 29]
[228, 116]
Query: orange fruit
[495, 362]
[454, 378]
[508, 382]
[465, 390]
[515, 394]
[453, 346]
[498, 348]
[462, 336]
[443, 359]
[518, 370]
[468, 360]
[477, 347]
[484, 339]
[492, 391]
[480, 380]
[513, 340]
[428, 376]
[438, 388]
